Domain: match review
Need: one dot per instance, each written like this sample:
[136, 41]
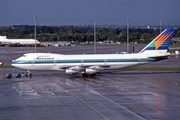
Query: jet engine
[91, 71]
[71, 71]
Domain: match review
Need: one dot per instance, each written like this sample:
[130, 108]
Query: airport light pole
[127, 34]
[95, 36]
[35, 32]
[160, 24]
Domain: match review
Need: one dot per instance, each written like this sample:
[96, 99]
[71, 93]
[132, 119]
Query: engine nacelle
[91, 71]
[71, 71]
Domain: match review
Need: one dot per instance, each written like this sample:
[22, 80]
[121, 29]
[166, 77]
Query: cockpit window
[24, 55]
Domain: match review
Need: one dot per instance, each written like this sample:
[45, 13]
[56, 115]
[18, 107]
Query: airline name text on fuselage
[43, 58]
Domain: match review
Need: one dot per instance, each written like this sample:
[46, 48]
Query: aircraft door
[54, 62]
[139, 61]
[82, 62]
[33, 62]
[105, 61]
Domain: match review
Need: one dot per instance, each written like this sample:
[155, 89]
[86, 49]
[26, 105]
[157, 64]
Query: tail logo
[161, 39]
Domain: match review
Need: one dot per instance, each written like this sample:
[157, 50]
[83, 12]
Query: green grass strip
[152, 68]
[110, 45]
[7, 67]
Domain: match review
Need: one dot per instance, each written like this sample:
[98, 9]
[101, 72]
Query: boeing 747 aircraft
[93, 63]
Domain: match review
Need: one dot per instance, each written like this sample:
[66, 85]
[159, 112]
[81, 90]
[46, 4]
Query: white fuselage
[49, 61]
[4, 40]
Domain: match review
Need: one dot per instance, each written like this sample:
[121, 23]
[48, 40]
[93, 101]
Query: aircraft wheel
[9, 76]
[88, 75]
[85, 75]
[93, 74]
[18, 76]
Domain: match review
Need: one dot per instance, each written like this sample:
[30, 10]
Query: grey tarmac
[113, 95]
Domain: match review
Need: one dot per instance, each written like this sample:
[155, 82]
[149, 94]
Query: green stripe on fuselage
[84, 60]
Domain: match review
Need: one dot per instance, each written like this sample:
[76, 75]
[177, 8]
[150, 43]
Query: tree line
[80, 33]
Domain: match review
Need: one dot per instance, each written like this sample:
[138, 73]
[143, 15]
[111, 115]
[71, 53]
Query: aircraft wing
[85, 66]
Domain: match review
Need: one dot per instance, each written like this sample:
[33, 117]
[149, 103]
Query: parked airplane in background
[17, 42]
[93, 63]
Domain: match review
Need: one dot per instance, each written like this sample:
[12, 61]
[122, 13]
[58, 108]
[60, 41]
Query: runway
[110, 95]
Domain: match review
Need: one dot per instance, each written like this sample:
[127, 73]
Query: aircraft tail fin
[160, 44]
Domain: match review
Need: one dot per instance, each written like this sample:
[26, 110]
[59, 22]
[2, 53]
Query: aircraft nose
[12, 63]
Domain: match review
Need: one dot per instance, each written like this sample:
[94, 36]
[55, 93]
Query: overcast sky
[82, 12]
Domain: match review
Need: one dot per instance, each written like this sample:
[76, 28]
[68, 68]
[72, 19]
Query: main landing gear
[88, 75]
